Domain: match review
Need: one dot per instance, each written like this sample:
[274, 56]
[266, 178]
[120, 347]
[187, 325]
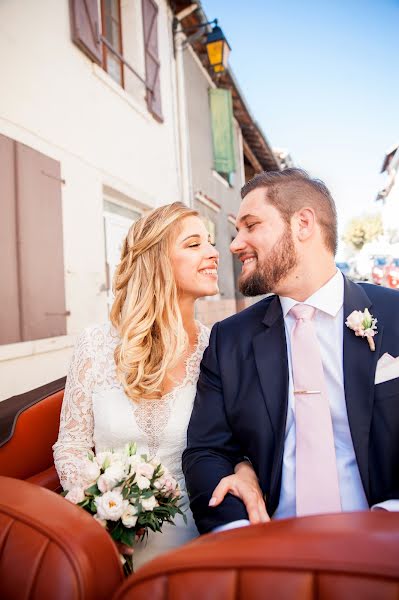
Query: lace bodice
[96, 412]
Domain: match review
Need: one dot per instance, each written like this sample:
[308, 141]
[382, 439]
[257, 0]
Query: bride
[134, 378]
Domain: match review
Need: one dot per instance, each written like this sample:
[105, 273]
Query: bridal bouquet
[128, 495]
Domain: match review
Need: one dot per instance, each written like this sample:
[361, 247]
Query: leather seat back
[51, 549]
[30, 424]
[329, 557]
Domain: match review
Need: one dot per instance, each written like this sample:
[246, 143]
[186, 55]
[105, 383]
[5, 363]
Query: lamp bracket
[193, 28]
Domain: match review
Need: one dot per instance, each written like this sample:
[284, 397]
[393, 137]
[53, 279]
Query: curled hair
[145, 311]
[293, 188]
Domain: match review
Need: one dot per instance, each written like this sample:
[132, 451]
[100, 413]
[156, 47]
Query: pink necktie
[317, 488]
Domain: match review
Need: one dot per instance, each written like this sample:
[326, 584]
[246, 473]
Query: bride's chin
[211, 291]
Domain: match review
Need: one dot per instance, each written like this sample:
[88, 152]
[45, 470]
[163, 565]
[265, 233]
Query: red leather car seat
[327, 557]
[51, 549]
[28, 429]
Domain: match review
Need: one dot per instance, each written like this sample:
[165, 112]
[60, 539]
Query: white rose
[129, 516]
[354, 320]
[142, 482]
[90, 472]
[134, 462]
[145, 469]
[149, 503]
[110, 506]
[111, 476]
[75, 495]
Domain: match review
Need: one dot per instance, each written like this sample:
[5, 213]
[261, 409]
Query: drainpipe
[182, 115]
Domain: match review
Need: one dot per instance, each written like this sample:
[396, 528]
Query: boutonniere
[363, 324]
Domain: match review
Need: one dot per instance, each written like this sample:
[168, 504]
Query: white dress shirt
[328, 320]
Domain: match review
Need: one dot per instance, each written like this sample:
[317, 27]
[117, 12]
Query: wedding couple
[291, 411]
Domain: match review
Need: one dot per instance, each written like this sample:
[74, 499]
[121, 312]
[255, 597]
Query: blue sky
[322, 80]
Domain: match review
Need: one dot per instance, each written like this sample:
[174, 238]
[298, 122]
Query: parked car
[378, 270]
[391, 274]
[344, 268]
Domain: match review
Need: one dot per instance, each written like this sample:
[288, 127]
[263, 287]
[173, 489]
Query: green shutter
[222, 130]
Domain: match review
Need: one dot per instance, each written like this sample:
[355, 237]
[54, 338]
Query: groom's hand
[244, 485]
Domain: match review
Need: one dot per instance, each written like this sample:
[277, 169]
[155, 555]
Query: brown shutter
[85, 27]
[41, 262]
[152, 64]
[9, 308]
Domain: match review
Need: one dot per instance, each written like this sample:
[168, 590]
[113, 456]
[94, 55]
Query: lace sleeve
[75, 437]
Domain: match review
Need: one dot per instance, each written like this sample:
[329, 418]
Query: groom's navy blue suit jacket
[242, 398]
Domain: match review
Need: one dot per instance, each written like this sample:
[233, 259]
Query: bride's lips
[209, 272]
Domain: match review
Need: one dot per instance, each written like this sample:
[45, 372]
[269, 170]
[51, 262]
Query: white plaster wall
[390, 211]
[55, 100]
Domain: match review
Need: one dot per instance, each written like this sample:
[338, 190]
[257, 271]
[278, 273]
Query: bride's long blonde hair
[145, 311]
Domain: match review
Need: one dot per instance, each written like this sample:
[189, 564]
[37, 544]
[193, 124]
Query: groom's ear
[303, 223]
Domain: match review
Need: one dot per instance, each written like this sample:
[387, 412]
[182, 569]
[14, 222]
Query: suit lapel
[359, 364]
[270, 350]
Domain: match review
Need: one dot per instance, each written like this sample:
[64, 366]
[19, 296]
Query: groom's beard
[282, 259]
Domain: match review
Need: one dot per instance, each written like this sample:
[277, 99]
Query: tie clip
[307, 392]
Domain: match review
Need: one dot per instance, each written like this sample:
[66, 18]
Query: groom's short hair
[293, 188]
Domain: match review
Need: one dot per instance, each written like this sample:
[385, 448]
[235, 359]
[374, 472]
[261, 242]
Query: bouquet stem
[128, 565]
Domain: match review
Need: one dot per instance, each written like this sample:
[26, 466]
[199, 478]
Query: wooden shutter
[41, 262]
[9, 297]
[85, 27]
[221, 106]
[152, 64]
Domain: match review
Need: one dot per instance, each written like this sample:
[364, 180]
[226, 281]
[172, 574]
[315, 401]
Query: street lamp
[218, 49]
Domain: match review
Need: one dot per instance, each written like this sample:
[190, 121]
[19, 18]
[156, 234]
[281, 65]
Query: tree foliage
[362, 230]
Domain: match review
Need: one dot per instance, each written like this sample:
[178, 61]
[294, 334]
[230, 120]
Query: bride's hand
[124, 549]
[244, 485]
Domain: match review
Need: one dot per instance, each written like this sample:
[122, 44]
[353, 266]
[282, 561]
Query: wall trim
[207, 201]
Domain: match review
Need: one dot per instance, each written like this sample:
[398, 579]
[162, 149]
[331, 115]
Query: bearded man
[304, 383]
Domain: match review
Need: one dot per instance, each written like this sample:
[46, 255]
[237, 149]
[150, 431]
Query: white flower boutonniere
[363, 324]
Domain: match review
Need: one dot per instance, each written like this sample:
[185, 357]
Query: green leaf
[128, 537]
[158, 472]
[84, 502]
[117, 532]
[146, 494]
[92, 490]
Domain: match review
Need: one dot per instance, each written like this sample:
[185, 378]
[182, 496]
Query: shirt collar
[329, 298]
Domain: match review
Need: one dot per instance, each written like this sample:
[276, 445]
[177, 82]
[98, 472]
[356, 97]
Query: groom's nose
[237, 245]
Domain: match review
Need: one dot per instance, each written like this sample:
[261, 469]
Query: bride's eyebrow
[193, 235]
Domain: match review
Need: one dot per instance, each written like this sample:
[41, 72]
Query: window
[117, 221]
[211, 228]
[112, 32]
[32, 292]
[228, 177]
[125, 45]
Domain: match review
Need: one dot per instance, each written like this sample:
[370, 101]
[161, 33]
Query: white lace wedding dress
[97, 413]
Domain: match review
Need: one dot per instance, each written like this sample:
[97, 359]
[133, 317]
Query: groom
[311, 402]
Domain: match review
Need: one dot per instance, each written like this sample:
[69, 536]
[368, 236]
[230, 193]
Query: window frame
[107, 46]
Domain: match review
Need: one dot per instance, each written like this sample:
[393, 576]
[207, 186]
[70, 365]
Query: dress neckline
[190, 362]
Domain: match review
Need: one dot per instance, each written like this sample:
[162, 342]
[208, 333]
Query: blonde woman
[134, 378]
